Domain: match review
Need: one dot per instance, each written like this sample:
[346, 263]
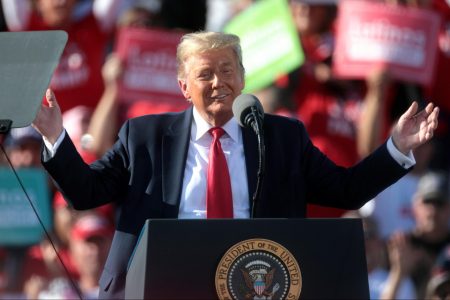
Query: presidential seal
[258, 269]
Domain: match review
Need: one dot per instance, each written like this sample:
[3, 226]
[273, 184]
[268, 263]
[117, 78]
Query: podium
[249, 258]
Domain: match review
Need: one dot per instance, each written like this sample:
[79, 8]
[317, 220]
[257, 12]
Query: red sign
[371, 34]
[150, 66]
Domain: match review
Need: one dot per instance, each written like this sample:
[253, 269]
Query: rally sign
[150, 65]
[269, 41]
[371, 34]
[19, 224]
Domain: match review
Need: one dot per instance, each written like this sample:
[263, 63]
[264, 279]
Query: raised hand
[415, 128]
[48, 121]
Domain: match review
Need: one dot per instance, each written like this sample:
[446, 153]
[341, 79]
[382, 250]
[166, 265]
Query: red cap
[91, 225]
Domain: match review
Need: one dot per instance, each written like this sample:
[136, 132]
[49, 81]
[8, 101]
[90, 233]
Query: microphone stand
[258, 128]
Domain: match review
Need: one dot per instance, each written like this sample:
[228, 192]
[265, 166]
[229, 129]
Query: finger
[412, 110]
[51, 99]
[432, 122]
[433, 117]
[429, 133]
[429, 108]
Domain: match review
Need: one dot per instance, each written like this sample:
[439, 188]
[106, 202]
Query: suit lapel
[251, 159]
[175, 145]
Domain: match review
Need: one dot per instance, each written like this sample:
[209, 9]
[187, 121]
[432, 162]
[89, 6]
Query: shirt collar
[200, 127]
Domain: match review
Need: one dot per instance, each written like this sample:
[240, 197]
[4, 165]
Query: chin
[221, 114]
[220, 106]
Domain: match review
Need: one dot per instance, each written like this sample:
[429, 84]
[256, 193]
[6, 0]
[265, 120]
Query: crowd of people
[406, 227]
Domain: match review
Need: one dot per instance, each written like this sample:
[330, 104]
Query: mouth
[220, 97]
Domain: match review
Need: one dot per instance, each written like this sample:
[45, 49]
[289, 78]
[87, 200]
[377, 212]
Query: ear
[242, 82]
[184, 89]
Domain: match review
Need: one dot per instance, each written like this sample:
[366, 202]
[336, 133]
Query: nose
[217, 81]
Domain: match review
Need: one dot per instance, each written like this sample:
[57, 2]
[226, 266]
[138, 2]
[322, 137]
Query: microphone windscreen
[241, 107]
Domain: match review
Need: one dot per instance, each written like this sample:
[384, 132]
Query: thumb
[51, 99]
[412, 110]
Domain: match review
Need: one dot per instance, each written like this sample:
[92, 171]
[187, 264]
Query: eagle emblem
[258, 269]
[258, 276]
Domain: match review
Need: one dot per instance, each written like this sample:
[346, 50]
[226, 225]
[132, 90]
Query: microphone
[249, 113]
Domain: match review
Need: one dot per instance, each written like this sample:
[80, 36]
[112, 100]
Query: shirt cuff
[52, 148]
[406, 161]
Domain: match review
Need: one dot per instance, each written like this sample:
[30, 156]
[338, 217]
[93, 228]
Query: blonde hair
[201, 42]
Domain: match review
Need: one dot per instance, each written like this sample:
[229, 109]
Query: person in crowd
[52, 274]
[158, 168]
[90, 239]
[76, 121]
[400, 92]
[23, 147]
[31, 265]
[331, 108]
[402, 259]
[387, 267]
[438, 286]
[392, 208]
[89, 25]
[113, 109]
[89, 246]
[430, 235]
[439, 90]
[108, 115]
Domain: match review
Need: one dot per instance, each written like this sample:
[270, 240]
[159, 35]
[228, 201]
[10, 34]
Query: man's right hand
[48, 121]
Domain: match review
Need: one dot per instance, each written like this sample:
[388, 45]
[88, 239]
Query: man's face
[56, 13]
[89, 255]
[312, 19]
[431, 216]
[26, 155]
[213, 80]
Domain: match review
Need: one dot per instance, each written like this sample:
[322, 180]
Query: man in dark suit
[158, 166]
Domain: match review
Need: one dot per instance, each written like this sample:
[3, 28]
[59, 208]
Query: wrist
[54, 137]
[399, 146]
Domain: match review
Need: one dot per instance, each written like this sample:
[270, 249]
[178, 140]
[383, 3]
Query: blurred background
[346, 68]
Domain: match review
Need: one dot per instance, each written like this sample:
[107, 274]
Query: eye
[227, 70]
[205, 74]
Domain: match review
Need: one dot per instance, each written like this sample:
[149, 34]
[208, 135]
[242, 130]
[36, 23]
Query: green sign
[269, 41]
[19, 224]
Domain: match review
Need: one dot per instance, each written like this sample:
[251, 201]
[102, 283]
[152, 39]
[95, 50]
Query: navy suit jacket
[144, 170]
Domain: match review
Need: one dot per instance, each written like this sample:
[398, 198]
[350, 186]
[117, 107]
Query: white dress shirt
[193, 195]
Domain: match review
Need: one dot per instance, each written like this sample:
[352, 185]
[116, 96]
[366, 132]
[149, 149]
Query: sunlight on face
[213, 80]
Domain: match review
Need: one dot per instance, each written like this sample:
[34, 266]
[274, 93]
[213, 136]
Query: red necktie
[219, 203]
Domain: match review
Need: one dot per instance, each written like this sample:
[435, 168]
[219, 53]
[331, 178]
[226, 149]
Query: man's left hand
[415, 128]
